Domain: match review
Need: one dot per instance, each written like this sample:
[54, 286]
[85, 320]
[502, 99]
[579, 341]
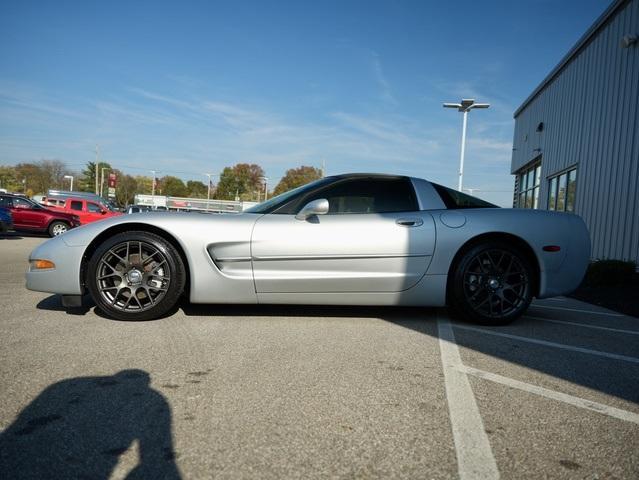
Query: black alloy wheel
[492, 284]
[135, 276]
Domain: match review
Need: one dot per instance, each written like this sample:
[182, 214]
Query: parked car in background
[38, 199]
[137, 209]
[52, 202]
[57, 197]
[88, 210]
[6, 222]
[30, 216]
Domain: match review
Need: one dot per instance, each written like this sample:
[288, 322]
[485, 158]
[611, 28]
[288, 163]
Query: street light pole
[463, 150]
[71, 178]
[466, 105]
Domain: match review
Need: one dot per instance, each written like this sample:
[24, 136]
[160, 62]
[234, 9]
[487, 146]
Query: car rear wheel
[136, 276]
[492, 284]
[58, 227]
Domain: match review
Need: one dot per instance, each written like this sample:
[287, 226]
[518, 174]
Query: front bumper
[65, 277]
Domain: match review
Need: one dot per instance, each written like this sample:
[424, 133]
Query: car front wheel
[492, 284]
[136, 276]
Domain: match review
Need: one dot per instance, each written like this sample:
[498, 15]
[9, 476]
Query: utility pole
[466, 105]
[102, 179]
[97, 162]
[153, 187]
[208, 190]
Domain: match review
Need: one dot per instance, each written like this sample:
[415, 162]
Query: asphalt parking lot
[309, 392]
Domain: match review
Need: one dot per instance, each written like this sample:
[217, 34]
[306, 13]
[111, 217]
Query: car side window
[76, 205]
[366, 195]
[5, 202]
[93, 207]
[21, 203]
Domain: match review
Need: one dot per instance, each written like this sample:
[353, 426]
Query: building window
[528, 181]
[561, 191]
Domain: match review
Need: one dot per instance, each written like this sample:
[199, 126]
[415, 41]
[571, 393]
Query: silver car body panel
[341, 253]
[356, 259]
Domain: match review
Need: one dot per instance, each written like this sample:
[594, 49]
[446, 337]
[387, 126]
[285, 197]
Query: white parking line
[545, 343]
[475, 457]
[597, 327]
[580, 311]
[561, 397]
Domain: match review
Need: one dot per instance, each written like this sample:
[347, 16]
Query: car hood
[174, 222]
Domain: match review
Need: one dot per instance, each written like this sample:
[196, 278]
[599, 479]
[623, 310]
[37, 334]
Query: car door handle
[409, 222]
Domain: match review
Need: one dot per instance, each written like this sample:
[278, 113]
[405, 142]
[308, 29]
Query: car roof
[369, 175]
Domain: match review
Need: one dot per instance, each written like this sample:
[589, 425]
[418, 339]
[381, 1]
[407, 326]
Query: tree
[126, 189]
[296, 177]
[9, 180]
[87, 180]
[243, 180]
[172, 186]
[144, 184]
[196, 189]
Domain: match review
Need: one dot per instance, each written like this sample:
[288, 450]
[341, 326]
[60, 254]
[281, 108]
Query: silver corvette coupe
[357, 239]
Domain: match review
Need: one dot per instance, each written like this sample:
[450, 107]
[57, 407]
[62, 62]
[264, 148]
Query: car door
[25, 215]
[373, 239]
[94, 212]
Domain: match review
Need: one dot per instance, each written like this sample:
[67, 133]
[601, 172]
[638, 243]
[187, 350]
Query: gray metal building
[576, 143]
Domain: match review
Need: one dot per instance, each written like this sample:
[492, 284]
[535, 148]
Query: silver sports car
[358, 239]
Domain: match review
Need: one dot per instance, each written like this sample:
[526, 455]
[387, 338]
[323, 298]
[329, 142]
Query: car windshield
[281, 199]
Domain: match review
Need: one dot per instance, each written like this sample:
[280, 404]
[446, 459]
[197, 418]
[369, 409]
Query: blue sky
[190, 87]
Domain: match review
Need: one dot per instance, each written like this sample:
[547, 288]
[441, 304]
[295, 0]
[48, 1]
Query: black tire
[492, 284]
[135, 276]
[57, 227]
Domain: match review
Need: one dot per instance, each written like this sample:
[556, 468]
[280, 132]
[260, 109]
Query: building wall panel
[590, 111]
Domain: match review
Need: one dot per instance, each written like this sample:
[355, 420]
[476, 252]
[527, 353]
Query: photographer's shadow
[79, 427]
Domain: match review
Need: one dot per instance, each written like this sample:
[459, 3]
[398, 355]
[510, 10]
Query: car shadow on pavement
[593, 372]
[10, 236]
[283, 310]
[609, 376]
[54, 303]
[79, 428]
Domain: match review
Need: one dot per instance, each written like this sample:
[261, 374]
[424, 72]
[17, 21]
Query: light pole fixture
[466, 105]
[265, 188]
[70, 177]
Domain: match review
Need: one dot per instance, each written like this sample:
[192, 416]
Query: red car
[88, 211]
[28, 215]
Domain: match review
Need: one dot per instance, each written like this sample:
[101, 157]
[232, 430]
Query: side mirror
[103, 212]
[316, 207]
